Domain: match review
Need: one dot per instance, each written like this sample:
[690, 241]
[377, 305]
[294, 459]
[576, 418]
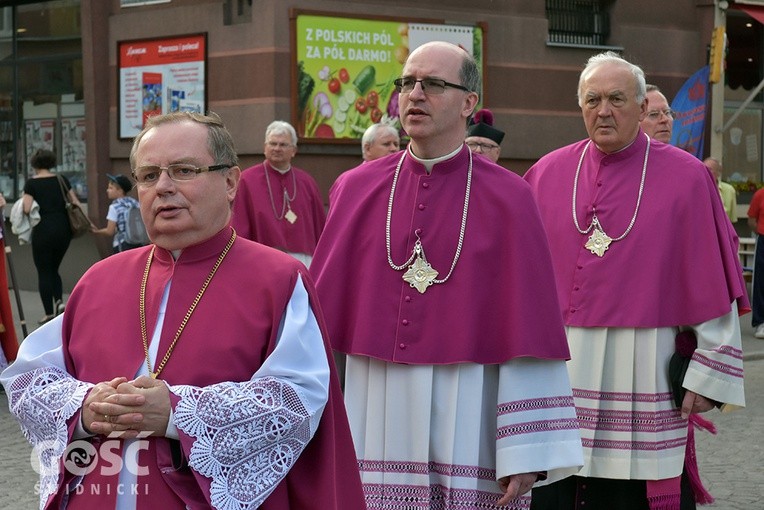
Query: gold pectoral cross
[599, 241]
[420, 273]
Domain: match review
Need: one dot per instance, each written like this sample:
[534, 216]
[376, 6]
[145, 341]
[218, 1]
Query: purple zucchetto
[482, 125]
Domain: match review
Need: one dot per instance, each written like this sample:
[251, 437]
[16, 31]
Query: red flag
[8, 340]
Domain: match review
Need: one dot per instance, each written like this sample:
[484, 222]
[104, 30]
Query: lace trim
[248, 436]
[42, 401]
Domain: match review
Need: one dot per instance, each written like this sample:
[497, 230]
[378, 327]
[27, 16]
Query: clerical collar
[430, 163]
[622, 148]
[279, 170]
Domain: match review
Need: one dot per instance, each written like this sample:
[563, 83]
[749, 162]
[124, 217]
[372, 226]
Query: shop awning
[754, 11]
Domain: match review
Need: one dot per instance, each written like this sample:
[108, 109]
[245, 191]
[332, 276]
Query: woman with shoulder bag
[50, 237]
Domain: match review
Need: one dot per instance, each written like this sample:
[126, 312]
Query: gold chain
[142, 306]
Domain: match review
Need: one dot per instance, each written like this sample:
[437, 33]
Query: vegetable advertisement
[346, 67]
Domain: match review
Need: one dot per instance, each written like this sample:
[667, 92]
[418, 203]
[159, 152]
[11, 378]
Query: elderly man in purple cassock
[435, 278]
[177, 380]
[641, 248]
[278, 204]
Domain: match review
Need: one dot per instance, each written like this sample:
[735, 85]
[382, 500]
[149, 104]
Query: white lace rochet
[43, 400]
[248, 435]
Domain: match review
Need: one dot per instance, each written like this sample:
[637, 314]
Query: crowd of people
[521, 363]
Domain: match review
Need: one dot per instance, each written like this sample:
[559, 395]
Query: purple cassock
[450, 357]
[267, 200]
[681, 249]
[499, 303]
[243, 440]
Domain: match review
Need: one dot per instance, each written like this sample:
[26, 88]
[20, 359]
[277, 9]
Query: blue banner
[690, 107]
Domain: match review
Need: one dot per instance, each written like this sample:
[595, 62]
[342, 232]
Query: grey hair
[280, 127]
[469, 74]
[649, 87]
[610, 57]
[219, 140]
[374, 131]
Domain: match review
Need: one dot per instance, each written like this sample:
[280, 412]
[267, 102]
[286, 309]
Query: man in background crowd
[379, 140]
[277, 204]
[727, 192]
[482, 137]
[658, 121]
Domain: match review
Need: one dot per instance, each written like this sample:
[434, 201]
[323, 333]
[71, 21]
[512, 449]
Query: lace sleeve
[247, 437]
[43, 399]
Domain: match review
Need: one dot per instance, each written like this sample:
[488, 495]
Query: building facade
[61, 73]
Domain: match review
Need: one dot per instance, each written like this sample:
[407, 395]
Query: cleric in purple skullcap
[482, 137]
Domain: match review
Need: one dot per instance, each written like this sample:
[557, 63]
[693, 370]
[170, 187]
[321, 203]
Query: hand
[137, 407]
[99, 393]
[2, 200]
[694, 403]
[514, 486]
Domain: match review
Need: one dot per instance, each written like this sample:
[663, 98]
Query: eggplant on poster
[345, 69]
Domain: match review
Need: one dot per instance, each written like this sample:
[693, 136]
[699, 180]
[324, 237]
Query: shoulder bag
[78, 221]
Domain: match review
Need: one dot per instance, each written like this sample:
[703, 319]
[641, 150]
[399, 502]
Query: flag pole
[16, 290]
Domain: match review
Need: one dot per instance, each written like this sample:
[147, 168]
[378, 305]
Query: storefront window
[6, 33]
[49, 28]
[41, 92]
[742, 146]
[744, 73]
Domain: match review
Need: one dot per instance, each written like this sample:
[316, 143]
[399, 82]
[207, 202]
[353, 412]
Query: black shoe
[45, 319]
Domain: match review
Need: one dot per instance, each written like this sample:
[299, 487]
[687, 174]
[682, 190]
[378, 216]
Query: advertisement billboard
[345, 67]
[158, 76]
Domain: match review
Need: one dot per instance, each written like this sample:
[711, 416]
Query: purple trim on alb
[607, 444]
[622, 397]
[426, 468]
[718, 366]
[435, 497]
[625, 421]
[533, 427]
[533, 404]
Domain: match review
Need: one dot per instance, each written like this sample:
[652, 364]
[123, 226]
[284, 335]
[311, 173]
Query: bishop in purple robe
[641, 249]
[177, 380]
[436, 281]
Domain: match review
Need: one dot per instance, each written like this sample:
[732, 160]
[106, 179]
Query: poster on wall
[158, 76]
[39, 134]
[345, 67]
[73, 145]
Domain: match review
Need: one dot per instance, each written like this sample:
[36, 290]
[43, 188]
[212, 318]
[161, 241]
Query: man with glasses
[435, 279]
[192, 373]
[278, 204]
[641, 249]
[659, 119]
[482, 137]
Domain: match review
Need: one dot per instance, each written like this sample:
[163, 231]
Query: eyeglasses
[484, 147]
[656, 114]
[429, 85]
[279, 145]
[149, 175]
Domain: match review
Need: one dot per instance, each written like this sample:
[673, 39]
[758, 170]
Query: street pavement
[731, 462]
